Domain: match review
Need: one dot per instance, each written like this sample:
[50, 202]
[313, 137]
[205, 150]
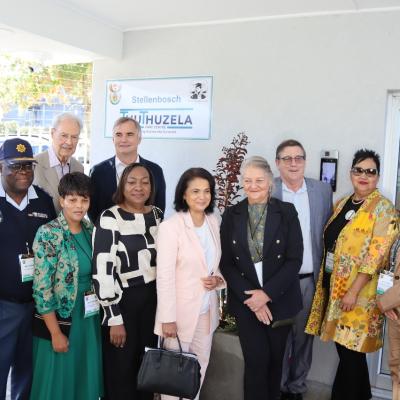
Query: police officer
[23, 208]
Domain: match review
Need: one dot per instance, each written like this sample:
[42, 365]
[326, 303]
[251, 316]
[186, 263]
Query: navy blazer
[104, 180]
[282, 258]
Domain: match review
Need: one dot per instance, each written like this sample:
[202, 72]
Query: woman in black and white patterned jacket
[124, 273]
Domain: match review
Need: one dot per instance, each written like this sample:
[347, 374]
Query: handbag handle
[161, 347]
[180, 351]
[179, 343]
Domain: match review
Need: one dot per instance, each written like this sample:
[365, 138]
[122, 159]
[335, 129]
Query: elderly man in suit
[313, 202]
[57, 160]
[127, 135]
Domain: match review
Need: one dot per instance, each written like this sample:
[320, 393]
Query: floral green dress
[77, 374]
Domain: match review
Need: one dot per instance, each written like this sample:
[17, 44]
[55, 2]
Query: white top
[120, 166]
[207, 243]
[25, 201]
[300, 200]
[55, 163]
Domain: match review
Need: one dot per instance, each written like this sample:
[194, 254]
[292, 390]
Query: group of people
[81, 299]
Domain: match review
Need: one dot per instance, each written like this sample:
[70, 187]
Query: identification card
[329, 262]
[385, 282]
[26, 263]
[92, 305]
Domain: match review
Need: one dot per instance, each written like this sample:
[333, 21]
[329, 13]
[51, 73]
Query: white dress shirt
[55, 163]
[300, 200]
[25, 201]
[207, 243]
[120, 166]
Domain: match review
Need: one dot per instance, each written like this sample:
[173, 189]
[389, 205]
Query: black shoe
[291, 396]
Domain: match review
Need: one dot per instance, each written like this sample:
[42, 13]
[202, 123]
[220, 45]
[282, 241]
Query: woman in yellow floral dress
[357, 242]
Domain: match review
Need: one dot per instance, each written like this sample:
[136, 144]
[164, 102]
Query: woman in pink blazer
[188, 276]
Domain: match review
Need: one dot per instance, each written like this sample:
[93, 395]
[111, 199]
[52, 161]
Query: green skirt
[77, 374]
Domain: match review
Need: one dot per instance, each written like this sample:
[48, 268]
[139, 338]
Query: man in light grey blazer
[313, 202]
[57, 160]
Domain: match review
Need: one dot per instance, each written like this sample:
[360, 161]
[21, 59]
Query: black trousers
[121, 365]
[263, 350]
[352, 379]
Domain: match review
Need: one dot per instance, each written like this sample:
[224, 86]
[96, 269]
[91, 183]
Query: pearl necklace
[356, 202]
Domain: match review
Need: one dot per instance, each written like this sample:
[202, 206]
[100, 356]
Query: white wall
[321, 80]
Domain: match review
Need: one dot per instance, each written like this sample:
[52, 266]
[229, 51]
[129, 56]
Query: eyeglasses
[287, 160]
[18, 167]
[369, 172]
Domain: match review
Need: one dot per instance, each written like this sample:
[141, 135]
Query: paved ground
[317, 391]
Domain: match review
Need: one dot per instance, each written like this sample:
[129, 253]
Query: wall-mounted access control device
[328, 170]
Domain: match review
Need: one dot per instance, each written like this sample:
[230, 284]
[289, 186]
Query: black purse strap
[162, 343]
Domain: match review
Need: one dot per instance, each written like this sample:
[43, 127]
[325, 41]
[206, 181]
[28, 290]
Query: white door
[390, 187]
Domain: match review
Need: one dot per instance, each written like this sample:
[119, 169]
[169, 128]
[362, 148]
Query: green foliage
[26, 84]
[227, 323]
[8, 128]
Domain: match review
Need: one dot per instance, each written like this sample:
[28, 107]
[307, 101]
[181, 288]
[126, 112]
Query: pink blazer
[180, 265]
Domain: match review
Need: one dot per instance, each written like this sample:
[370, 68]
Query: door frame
[381, 383]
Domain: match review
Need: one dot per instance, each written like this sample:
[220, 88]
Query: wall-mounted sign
[166, 108]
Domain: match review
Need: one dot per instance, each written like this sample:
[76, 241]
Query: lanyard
[88, 255]
[253, 232]
[62, 168]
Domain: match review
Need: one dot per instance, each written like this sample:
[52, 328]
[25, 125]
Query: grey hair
[261, 163]
[123, 120]
[66, 116]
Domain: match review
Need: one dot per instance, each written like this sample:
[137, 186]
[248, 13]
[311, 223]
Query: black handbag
[174, 373]
[39, 328]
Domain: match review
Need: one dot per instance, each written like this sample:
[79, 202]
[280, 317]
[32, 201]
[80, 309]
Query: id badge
[26, 263]
[92, 305]
[385, 282]
[329, 262]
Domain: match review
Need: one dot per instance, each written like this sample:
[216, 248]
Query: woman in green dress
[66, 366]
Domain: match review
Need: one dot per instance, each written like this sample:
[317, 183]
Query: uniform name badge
[385, 282]
[329, 262]
[26, 263]
[92, 305]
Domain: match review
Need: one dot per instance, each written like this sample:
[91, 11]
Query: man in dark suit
[313, 202]
[127, 135]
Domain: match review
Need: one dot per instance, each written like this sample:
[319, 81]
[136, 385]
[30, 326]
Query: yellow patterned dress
[363, 246]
